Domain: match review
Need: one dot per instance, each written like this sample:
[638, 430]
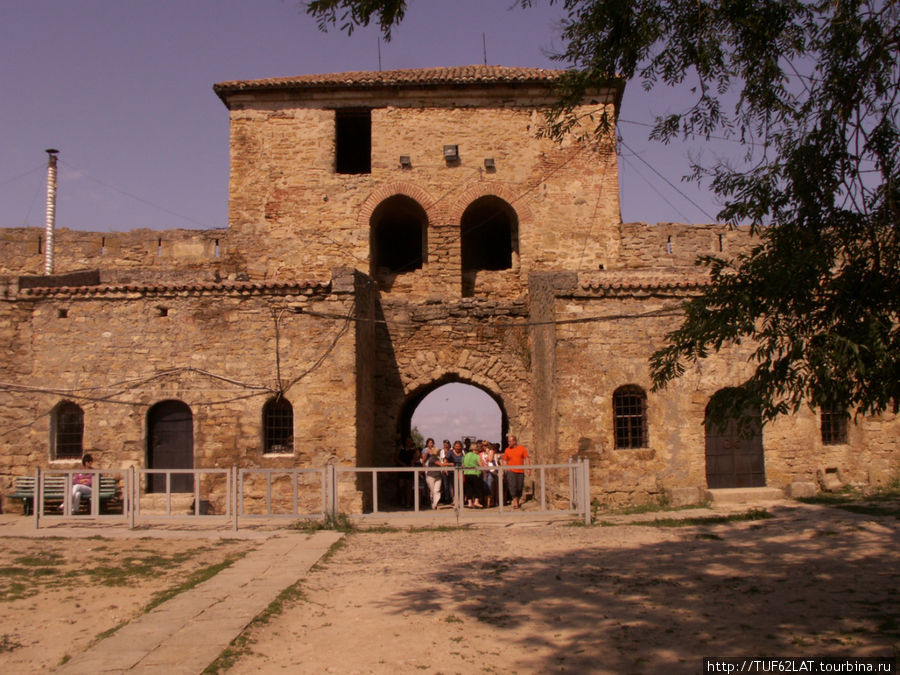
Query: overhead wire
[132, 196]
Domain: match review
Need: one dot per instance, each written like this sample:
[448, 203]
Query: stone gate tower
[390, 232]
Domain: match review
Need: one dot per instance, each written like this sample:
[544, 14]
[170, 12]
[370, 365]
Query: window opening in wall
[721, 243]
[669, 245]
[67, 431]
[630, 417]
[488, 235]
[217, 249]
[398, 236]
[353, 141]
[62, 313]
[834, 425]
[278, 426]
[159, 247]
[102, 245]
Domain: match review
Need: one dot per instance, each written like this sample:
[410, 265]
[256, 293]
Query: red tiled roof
[624, 282]
[410, 77]
[242, 287]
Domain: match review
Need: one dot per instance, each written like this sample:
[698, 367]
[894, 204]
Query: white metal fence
[237, 494]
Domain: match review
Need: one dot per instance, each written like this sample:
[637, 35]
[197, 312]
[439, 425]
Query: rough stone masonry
[390, 232]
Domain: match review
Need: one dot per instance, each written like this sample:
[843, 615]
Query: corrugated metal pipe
[51, 210]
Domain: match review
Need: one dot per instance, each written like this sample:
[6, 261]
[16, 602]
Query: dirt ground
[58, 595]
[810, 581]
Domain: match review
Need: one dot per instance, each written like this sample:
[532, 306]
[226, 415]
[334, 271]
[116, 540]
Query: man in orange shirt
[515, 455]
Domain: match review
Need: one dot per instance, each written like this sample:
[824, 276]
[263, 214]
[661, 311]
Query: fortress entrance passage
[455, 410]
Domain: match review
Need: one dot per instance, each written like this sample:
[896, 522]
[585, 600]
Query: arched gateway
[412, 402]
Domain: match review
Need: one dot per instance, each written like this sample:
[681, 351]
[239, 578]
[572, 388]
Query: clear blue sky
[123, 88]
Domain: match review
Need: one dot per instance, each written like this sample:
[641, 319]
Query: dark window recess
[353, 141]
[630, 417]
[834, 425]
[69, 431]
[278, 425]
[489, 233]
[398, 227]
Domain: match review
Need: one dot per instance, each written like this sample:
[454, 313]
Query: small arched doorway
[170, 445]
[734, 448]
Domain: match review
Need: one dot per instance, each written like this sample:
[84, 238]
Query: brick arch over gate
[411, 190]
[419, 391]
[490, 189]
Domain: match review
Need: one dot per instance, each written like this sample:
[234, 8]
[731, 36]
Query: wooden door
[170, 445]
[734, 456]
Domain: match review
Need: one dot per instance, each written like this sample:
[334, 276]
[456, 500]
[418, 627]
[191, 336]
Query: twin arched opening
[398, 236]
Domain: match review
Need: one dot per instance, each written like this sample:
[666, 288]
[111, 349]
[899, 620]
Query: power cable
[667, 181]
[132, 196]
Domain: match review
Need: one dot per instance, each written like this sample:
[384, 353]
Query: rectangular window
[353, 141]
[630, 417]
[834, 426]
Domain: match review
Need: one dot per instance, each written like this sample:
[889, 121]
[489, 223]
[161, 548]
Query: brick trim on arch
[489, 189]
[411, 190]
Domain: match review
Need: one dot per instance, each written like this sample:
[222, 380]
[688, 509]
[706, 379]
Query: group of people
[476, 459]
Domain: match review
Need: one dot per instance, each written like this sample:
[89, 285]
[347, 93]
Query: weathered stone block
[684, 496]
[802, 490]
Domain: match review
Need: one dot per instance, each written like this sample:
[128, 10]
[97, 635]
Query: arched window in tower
[278, 426]
[67, 431]
[398, 228]
[489, 235]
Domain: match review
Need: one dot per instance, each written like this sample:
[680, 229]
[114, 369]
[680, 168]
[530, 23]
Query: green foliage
[417, 437]
[339, 521]
[349, 14]
[809, 91]
[814, 88]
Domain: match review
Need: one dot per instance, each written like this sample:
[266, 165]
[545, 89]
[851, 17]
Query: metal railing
[233, 494]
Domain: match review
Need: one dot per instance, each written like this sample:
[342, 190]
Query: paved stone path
[188, 632]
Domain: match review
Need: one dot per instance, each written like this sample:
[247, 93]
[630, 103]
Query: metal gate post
[38, 493]
[331, 508]
[586, 490]
[129, 496]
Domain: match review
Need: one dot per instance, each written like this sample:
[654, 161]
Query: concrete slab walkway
[188, 632]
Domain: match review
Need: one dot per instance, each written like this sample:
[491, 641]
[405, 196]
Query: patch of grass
[195, 579]
[332, 550]
[852, 493]
[661, 504]
[750, 514]
[8, 643]
[39, 559]
[438, 528]
[872, 509]
[242, 643]
[340, 522]
[882, 501]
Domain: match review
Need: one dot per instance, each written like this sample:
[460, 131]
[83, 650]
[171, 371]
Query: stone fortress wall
[300, 298]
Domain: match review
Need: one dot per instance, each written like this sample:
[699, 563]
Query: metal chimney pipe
[51, 209]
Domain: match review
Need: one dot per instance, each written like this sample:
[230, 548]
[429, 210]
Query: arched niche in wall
[489, 235]
[398, 231]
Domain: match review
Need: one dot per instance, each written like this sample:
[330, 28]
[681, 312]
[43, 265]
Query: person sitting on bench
[81, 483]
